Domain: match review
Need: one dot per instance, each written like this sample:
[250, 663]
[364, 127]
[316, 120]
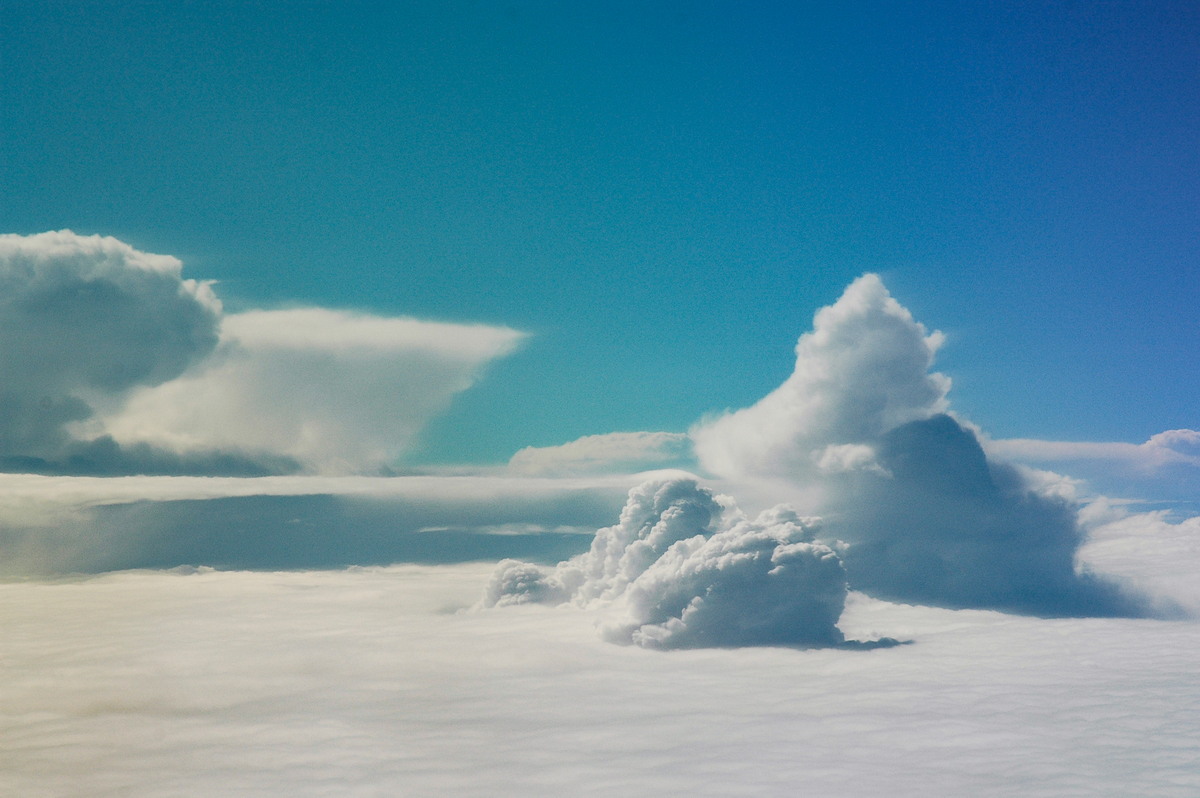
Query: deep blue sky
[663, 195]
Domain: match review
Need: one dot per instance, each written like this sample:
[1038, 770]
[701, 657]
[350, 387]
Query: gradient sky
[662, 196]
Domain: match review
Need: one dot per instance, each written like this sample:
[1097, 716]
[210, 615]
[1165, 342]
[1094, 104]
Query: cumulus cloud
[83, 321]
[335, 391]
[616, 451]
[683, 569]
[863, 370]
[111, 363]
[862, 430]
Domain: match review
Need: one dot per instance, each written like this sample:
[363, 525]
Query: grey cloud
[949, 527]
[83, 320]
[684, 570]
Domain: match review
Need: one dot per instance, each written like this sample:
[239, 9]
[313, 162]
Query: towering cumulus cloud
[863, 370]
[83, 321]
[110, 362]
[682, 569]
[862, 427]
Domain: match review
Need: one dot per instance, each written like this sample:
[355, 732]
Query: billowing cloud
[863, 370]
[111, 363]
[83, 321]
[335, 391]
[861, 430]
[615, 451]
[682, 569]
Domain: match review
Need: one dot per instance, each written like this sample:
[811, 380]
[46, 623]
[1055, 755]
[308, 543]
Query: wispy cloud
[614, 451]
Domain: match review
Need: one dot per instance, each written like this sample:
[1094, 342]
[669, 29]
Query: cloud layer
[362, 683]
[683, 570]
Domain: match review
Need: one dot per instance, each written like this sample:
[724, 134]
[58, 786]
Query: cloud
[863, 370]
[615, 451]
[682, 570]
[1164, 468]
[949, 527]
[84, 320]
[114, 364]
[59, 525]
[861, 430]
[360, 682]
[334, 391]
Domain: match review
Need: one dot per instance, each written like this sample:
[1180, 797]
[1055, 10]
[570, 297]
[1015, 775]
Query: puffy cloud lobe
[863, 370]
[861, 428]
[683, 570]
[334, 391]
[84, 319]
[760, 583]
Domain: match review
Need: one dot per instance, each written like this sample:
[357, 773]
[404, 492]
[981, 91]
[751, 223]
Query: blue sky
[661, 196]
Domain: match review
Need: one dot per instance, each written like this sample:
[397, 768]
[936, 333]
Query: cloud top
[864, 369]
[862, 429]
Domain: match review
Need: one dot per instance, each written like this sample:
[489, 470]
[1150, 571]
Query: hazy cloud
[616, 451]
[57, 525]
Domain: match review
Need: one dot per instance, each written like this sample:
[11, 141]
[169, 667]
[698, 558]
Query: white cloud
[1177, 446]
[115, 364]
[1165, 468]
[360, 683]
[863, 370]
[615, 451]
[682, 569]
[860, 433]
[333, 390]
[84, 320]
